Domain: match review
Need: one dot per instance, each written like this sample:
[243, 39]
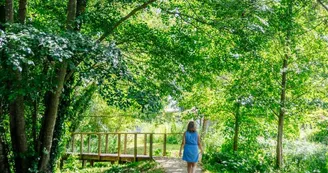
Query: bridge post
[84, 163]
[145, 144]
[119, 147]
[73, 143]
[99, 145]
[164, 146]
[106, 145]
[125, 141]
[89, 136]
[81, 146]
[135, 147]
[151, 145]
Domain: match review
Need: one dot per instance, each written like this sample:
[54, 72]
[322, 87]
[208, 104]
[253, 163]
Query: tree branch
[183, 16]
[189, 16]
[323, 5]
[134, 11]
[274, 112]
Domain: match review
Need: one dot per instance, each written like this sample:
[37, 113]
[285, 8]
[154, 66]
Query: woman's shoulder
[192, 132]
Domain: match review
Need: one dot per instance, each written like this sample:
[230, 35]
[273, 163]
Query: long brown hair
[191, 126]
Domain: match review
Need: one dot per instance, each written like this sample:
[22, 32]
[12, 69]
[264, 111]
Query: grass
[135, 167]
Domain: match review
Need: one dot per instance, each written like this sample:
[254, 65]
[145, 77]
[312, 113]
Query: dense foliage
[253, 73]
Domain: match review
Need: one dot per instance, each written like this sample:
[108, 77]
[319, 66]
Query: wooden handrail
[89, 135]
[104, 133]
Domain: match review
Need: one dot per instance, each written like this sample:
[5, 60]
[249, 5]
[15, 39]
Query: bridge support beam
[135, 147]
[83, 163]
[151, 145]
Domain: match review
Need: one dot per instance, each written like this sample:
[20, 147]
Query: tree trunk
[59, 131]
[204, 130]
[17, 133]
[34, 125]
[16, 111]
[4, 164]
[279, 153]
[2, 16]
[80, 9]
[281, 116]
[9, 11]
[22, 11]
[237, 124]
[204, 127]
[46, 134]
[49, 120]
[66, 100]
[71, 14]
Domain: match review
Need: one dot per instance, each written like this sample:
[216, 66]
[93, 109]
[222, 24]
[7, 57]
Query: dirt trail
[174, 165]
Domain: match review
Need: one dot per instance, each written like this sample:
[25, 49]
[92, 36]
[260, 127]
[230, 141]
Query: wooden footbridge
[115, 147]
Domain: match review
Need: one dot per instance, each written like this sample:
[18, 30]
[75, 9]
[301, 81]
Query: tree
[51, 59]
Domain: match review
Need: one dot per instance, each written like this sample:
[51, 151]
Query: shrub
[72, 164]
[173, 139]
[321, 135]
[228, 162]
[299, 156]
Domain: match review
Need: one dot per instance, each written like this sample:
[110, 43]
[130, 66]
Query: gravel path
[174, 165]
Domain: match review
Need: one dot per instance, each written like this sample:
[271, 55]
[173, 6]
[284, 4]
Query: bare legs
[191, 167]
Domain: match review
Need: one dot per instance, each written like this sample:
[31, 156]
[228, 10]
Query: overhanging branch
[274, 112]
[188, 16]
[323, 5]
[134, 11]
[195, 18]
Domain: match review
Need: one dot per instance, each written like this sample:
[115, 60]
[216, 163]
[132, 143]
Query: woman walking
[190, 144]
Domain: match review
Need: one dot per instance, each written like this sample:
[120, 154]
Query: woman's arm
[200, 144]
[183, 143]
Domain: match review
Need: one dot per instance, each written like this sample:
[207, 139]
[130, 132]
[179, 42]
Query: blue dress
[190, 151]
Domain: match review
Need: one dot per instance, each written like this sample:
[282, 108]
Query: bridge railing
[85, 143]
